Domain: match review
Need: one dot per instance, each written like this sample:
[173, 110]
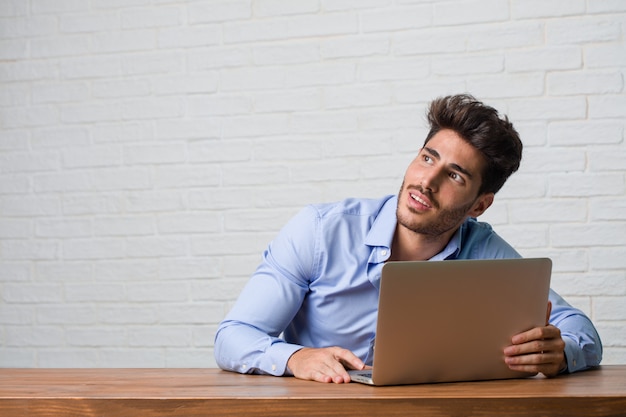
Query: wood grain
[202, 392]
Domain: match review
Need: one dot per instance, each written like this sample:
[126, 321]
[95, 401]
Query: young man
[310, 308]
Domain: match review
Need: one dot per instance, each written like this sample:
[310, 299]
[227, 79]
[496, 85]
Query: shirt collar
[384, 227]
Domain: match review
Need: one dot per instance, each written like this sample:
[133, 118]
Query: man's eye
[456, 177]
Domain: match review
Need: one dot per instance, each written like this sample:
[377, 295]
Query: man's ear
[483, 202]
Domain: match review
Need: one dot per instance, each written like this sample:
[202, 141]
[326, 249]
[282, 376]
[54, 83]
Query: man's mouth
[420, 200]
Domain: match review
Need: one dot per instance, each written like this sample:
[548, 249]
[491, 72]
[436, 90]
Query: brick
[13, 49]
[610, 308]
[350, 97]
[127, 315]
[588, 185]
[174, 177]
[519, 85]
[89, 22]
[14, 184]
[165, 62]
[56, 271]
[355, 46]
[544, 58]
[551, 211]
[524, 9]
[291, 100]
[597, 235]
[124, 88]
[154, 154]
[609, 159]
[608, 208]
[89, 337]
[266, 8]
[429, 41]
[227, 105]
[29, 71]
[132, 357]
[107, 179]
[58, 6]
[552, 108]
[16, 315]
[60, 137]
[94, 292]
[10, 8]
[584, 83]
[30, 206]
[126, 270]
[67, 358]
[582, 30]
[470, 11]
[219, 57]
[336, 5]
[396, 19]
[14, 95]
[607, 106]
[29, 117]
[100, 203]
[400, 69]
[187, 223]
[605, 55]
[23, 293]
[192, 313]
[15, 271]
[156, 246]
[84, 249]
[124, 41]
[179, 37]
[75, 68]
[124, 226]
[65, 228]
[581, 133]
[611, 258]
[231, 150]
[15, 228]
[33, 336]
[286, 54]
[155, 17]
[186, 84]
[76, 314]
[163, 336]
[92, 156]
[17, 357]
[510, 35]
[220, 11]
[59, 46]
[255, 125]
[467, 64]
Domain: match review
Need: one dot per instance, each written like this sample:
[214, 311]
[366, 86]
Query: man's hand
[324, 364]
[537, 350]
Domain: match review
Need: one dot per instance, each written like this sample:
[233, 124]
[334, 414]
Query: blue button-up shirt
[318, 282]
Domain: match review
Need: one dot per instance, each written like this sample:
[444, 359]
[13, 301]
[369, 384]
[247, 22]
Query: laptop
[448, 321]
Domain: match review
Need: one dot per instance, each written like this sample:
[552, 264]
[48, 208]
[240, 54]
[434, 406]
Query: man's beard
[448, 218]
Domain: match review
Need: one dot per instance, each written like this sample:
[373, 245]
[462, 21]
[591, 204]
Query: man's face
[440, 187]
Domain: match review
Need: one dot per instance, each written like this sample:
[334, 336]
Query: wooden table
[211, 392]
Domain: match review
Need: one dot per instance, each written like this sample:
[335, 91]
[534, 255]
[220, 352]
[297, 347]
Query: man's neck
[411, 246]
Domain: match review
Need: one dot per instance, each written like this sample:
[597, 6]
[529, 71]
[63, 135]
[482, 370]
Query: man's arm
[248, 340]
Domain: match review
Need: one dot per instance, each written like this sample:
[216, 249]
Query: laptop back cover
[442, 321]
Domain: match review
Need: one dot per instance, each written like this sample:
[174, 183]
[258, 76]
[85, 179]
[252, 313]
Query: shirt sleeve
[583, 347]
[248, 340]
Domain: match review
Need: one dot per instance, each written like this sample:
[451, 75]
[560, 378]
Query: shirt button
[383, 252]
[273, 367]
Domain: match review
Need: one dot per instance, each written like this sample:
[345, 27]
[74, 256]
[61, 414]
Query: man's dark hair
[481, 126]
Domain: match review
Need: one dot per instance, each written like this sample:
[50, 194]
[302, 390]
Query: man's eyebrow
[456, 167]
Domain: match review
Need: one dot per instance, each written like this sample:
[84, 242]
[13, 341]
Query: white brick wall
[150, 149]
